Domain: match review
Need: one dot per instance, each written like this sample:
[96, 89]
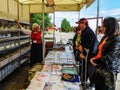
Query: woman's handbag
[106, 72]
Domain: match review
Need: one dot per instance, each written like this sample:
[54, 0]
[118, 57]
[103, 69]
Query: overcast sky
[107, 8]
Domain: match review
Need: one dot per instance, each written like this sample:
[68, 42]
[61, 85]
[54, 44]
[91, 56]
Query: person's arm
[81, 51]
[25, 31]
[92, 61]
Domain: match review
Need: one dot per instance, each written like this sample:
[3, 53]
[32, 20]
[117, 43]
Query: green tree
[37, 18]
[65, 26]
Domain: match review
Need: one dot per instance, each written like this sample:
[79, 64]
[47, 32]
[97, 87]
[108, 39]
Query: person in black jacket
[107, 58]
[88, 38]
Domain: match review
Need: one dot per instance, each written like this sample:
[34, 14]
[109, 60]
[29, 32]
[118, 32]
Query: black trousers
[36, 54]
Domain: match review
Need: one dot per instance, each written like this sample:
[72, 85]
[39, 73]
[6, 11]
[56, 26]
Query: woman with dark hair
[107, 58]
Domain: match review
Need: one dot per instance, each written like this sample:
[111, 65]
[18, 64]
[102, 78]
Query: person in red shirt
[36, 52]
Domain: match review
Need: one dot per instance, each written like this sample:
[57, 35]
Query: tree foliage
[65, 26]
[37, 18]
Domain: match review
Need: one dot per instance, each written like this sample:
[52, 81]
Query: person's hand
[92, 61]
[76, 47]
[19, 26]
[82, 56]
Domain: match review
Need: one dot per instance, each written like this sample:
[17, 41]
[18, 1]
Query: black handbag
[106, 72]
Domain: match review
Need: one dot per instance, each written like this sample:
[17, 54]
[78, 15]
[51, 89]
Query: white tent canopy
[21, 9]
[59, 5]
[25, 7]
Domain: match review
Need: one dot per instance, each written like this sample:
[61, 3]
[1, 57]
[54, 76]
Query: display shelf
[1, 18]
[16, 55]
[5, 71]
[8, 31]
[13, 55]
[23, 60]
[2, 40]
[14, 47]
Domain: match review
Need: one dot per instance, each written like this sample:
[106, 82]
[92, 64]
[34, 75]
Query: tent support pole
[98, 3]
[54, 40]
[43, 30]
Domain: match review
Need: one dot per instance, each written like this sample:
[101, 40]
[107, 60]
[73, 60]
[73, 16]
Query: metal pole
[98, 3]
[18, 17]
[78, 15]
[43, 30]
[86, 61]
[54, 28]
[78, 6]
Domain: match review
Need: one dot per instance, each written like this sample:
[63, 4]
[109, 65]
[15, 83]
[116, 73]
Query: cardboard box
[33, 69]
